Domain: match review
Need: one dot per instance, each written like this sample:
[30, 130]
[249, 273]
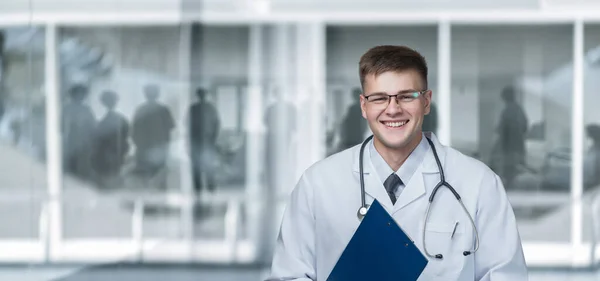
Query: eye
[408, 96]
[378, 98]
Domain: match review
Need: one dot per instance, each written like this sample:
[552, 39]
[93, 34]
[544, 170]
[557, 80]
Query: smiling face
[396, 125]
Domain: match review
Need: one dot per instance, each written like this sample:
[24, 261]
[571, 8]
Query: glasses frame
[389, 97]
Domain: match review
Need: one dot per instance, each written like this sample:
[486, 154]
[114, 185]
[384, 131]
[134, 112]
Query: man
[78, 126]
[111, 142]
[512, 131]
[151, 133]
[280, 124]
[353, 126]
[400, 172]
[204, 127]
[591, 162]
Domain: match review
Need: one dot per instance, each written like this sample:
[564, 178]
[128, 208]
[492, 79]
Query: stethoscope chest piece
[362, 212]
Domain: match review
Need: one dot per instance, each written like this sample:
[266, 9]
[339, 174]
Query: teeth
[395, 124]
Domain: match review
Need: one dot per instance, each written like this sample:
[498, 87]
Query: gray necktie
[391, 184]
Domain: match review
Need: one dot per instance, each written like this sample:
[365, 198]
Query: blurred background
[153, 140]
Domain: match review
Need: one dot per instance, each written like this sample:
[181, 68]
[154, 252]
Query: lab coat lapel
[412, 191]
[426, 172]
[373, 185]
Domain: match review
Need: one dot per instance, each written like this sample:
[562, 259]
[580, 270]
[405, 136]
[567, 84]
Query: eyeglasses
[402, 97]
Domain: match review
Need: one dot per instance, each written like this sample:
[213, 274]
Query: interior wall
[465, 92]
[219, 52]
[345, 46]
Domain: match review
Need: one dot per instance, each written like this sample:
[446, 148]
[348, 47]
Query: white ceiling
[23, 6]
[402, 5]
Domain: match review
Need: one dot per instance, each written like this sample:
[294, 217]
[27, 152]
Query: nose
[393, 107]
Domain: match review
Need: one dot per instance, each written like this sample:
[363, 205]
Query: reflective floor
[182, 273]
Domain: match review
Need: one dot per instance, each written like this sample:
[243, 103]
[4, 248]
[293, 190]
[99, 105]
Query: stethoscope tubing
[362, 211]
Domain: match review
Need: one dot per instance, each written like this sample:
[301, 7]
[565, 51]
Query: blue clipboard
[379, 250]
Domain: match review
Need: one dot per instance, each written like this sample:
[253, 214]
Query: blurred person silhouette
[38, 128]
[110, 143]
[204, 128]
[353, 124]
[592, 157]
[430, 122]
[280, 123]
[78, 126]
[152, 125]
[512, 131]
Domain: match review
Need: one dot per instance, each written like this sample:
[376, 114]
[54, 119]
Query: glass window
[591, 144]
[345, 46]
[511, 108]
[153, 118]
[217, 132]
[121, 93]
[22, 131]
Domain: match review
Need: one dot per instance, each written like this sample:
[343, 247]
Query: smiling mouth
[395, 124]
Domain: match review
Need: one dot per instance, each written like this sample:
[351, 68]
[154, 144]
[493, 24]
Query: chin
[393, 142]
[396, 141]
[396, 144]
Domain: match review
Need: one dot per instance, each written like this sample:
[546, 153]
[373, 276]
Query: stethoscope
[362, 211]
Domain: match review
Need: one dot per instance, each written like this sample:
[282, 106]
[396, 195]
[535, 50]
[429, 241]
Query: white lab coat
[320, 218]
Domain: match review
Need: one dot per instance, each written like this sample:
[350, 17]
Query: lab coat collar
[373, 185]
[414, 189]
[429, 164]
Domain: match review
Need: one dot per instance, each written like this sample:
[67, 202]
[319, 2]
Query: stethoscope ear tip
[466, 253]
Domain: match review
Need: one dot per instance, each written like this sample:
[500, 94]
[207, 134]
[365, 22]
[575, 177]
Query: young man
[400, 171]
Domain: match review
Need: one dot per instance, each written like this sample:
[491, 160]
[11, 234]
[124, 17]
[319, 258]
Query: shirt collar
[407, 169]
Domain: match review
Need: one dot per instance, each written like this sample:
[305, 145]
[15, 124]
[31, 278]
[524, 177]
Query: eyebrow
[400, 92]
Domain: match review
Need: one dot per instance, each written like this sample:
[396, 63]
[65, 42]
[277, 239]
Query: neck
[395, 157]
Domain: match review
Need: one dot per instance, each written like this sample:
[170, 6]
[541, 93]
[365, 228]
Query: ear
[427, 97]
[363, 105]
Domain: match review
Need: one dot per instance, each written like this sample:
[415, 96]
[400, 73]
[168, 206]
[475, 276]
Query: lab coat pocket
[446, 239]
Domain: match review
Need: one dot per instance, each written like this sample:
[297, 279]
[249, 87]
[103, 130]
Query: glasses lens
[378, 99]
[409, 96]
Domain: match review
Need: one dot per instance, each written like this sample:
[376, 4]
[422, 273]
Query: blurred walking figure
[204, 128]
[280, 122]
[78, 126]
[151, 133]
[354, 126]
[38, 129]
[111, 145]
[592, 157]
[512, 131]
